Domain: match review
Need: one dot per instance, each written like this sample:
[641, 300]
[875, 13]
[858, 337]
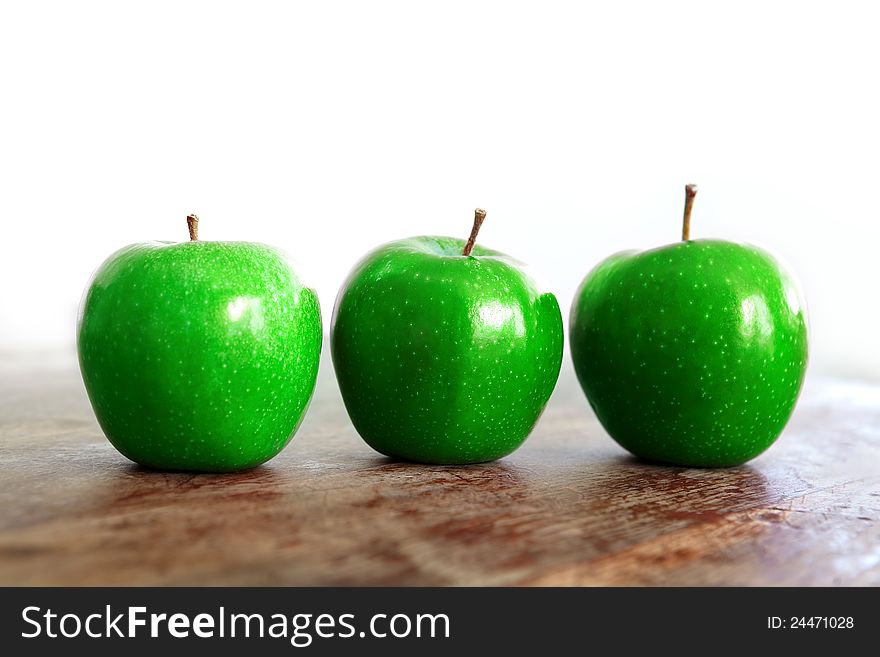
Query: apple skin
[443, 358]
[691, 354]
[199, 356]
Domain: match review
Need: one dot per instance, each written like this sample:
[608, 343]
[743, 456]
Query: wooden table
[569, 508]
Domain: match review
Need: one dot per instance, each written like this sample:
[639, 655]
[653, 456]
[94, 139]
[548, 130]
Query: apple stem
[479, 216]
[690, 192]
[192, 222]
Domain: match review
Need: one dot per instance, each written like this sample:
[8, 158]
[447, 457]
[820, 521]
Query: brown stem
[690, 192]
[192, 222]
[479, 216]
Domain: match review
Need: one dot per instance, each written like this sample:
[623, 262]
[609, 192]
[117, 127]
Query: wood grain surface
[569, 508]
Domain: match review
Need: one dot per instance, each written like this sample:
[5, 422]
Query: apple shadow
[477, 472]
[631, 486]
[134, 485]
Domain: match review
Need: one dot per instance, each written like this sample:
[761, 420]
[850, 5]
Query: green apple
[445, 352]
[200, 355]
[693, 353]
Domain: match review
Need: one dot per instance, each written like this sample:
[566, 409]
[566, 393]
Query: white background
[329, 127]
